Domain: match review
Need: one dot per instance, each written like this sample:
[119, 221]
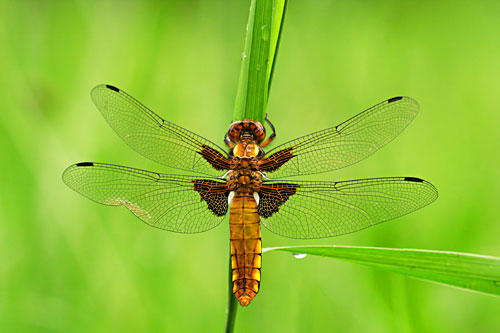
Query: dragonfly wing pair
[298, 209]
[294, 209]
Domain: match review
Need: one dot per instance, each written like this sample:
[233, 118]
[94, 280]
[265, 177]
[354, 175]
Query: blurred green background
[69, 264]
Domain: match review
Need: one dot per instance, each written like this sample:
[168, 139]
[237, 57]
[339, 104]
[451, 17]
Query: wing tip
[403, 99]
[101, 87]
[394, 99]
[66, 175]
[84, 164]
[428, 185]
[414, 179]
[112, 88]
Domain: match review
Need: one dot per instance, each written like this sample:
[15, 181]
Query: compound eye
[234, 132]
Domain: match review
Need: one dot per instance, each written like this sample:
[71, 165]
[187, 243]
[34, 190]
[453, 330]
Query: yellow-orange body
[244, 181]
[246, 247]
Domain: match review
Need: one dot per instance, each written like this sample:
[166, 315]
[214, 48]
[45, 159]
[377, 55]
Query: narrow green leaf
[231, 306]
[242, 92]
[469, 271]
[256, 101]
[258, 58]
[278, 19]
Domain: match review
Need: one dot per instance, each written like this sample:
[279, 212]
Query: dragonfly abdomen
[246, 247]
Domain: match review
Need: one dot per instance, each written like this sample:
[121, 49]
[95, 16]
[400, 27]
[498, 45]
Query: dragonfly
[247, 182]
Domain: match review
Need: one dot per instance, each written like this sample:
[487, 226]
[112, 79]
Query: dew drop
[299, 255]
[243, 56]
[265, 32]
[257, 67]
[497, 283]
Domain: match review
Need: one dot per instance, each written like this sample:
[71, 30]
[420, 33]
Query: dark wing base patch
[214, 193]
[217, 160]
[272, 196]
[276, 160]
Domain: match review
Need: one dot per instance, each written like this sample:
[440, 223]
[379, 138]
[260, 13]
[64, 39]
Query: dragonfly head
[248, 131]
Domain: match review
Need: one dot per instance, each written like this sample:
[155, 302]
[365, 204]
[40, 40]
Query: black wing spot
[276, 160]
[214, 194]
[273, 196]
[217, 160]
[112, 88]
[413, 179]
[394, 99]
[84, 164]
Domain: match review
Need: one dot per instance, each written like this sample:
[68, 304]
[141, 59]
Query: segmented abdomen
[246, 247]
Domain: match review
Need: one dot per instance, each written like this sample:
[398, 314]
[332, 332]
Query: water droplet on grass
[243, 56]
[265, 32]
[299, 255]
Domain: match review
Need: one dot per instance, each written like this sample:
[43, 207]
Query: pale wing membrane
[155, 138]
[168, 202]
[345, 144]
[324, 209]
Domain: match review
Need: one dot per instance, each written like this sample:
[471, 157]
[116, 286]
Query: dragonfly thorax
[247, 150]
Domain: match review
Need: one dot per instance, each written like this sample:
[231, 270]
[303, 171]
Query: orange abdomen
[246, 247]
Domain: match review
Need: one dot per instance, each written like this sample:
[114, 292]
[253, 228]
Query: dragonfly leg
[272, 136]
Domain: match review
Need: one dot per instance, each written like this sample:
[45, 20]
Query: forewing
[155, 138]
[325, 209]
[171, 202]
[342, 145]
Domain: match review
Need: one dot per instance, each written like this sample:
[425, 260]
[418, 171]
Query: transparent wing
[155, 138]
[175, 203]
[307, 210]
[342, 145]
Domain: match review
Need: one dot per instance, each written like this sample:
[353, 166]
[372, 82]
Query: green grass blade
[251, 98]
[258, 58]
[232, 304]
[468, 271]
[242, 92]
[278, 20]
